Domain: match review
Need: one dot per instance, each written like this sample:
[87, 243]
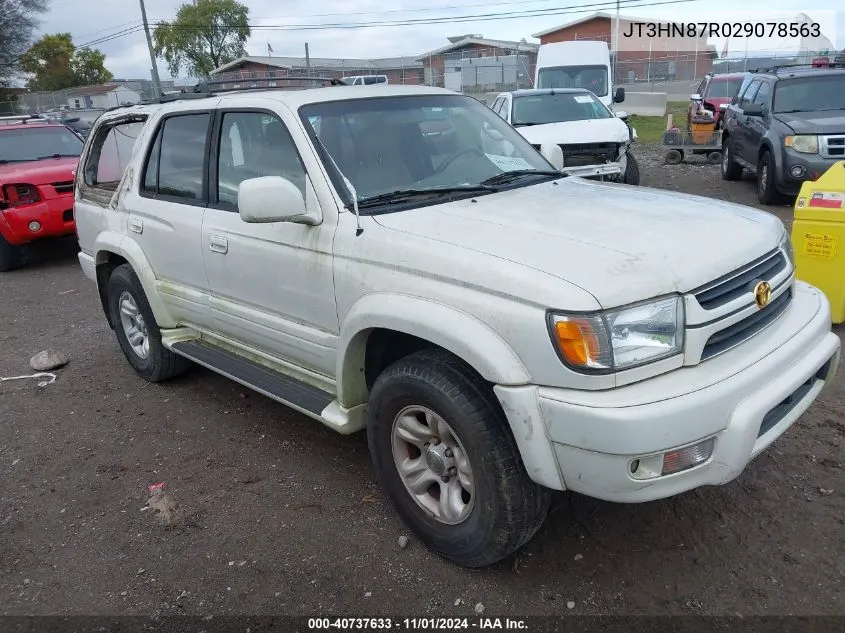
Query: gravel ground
[268, 512]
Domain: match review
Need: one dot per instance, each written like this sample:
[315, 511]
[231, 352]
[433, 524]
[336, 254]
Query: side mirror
[752, 109]
[619, 97]
[695, 97]
[272, 199]
[621, 115]
[723, 106]
[552, 153]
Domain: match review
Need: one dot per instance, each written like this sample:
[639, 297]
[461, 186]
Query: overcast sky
[127, 55]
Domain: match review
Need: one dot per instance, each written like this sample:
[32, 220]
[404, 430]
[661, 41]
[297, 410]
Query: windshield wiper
[406, 195]
[56, 156]
[6, 161]
[516, 174]
[526, 124]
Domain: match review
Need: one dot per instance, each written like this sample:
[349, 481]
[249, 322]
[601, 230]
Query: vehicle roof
[795, 74]
[527, 92]
[727, 76]
[30, 125]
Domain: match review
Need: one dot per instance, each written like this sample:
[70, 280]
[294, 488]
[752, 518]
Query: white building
[101, 97]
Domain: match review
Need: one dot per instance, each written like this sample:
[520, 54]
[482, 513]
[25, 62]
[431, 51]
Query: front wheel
[11, 257]
[632, 171]
[445, 457]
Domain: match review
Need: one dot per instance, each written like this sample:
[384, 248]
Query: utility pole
[153, 68]
[615, 78]
[307, 64]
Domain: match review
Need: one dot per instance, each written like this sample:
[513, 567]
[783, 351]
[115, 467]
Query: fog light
[654, 466]
[34, 226]
[676, 461]
[798, 171]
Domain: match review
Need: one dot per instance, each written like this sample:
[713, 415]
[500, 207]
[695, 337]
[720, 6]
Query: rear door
[166, 212]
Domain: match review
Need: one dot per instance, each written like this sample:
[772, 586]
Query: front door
[272, 285]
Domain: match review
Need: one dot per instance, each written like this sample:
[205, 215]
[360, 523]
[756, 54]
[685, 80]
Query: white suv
[499, 329]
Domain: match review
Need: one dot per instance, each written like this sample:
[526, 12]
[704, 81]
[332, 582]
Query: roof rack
[22, 118]
[792, 67]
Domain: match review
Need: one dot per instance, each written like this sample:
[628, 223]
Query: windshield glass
[557, 107]
[21, 144]
[810, 94]
[425, 142]
[592, 78]
[723, 88]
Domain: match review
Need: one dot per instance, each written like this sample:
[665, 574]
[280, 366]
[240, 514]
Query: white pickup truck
[499, 329]
[595, 142]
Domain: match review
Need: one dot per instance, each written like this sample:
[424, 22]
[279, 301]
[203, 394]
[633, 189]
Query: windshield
[592, 78]
[425, 142]
[723, 88]
[810, 94]
[21, 144]
[557, 107]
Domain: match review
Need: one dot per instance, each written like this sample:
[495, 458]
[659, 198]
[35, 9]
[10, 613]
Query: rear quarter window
[110, 154]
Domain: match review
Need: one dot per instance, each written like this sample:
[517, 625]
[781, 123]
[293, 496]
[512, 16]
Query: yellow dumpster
[818, 237]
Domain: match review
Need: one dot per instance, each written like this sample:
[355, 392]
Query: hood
[39, 172]
[620, 243]
[832, 122]
[573, 132]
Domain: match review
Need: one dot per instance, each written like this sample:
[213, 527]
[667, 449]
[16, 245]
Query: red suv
[717, 90]
[37, 165]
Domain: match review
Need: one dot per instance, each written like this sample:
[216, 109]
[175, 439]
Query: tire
[11, 256]
[129, 308]
[632, 171]
[767, 193]
[505, 508]
[674, 157]
[730, 169]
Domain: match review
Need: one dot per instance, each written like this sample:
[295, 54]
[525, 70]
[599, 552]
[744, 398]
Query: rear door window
[176, 165]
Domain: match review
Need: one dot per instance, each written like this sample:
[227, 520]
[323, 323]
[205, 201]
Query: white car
[500, 330]
[595, 142]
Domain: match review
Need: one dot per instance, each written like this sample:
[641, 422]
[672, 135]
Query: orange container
[702, 133]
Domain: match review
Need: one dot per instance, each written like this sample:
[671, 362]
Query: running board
[294, 393]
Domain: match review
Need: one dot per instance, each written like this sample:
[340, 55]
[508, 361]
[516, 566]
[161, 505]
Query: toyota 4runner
[500, 330]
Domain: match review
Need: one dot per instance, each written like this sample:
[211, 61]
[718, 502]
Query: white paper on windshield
[509, 163]
[583, 99]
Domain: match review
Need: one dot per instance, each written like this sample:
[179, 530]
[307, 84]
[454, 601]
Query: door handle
[219, 244]
[136, 225]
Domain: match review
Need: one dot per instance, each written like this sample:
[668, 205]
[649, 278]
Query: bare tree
[18, 19]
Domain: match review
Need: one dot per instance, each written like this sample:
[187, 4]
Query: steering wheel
[456, 155]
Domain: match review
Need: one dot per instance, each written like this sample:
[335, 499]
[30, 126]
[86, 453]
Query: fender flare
[464, 335]
[111, 242]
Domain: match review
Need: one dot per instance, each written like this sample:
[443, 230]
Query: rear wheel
[730, 169]
[137, 331]
[11, 256]
[445, 456]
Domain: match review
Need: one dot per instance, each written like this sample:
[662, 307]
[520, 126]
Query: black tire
[507, 507]
[632, 171]
[730, 169]
[160, 363]
[674, 156]
[767, 193]
[11, 257]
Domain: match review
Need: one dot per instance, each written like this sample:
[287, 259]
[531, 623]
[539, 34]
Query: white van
[365, 80]
[581, 64]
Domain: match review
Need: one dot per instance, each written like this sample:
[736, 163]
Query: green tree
[55, 64]
[18, 19]
[205, 35]
[88, 66]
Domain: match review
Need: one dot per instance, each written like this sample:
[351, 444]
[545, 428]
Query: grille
[63, 187]
[833, 146]
[788, 404]
[583, 154]
[733, 335]
[67, 215]
[735, 284]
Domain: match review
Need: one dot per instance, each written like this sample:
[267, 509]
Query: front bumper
[587, 171]
[596, 436]
[813, 167]
[54, 217]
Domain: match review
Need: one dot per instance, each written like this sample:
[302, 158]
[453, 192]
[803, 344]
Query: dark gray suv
[787, 125]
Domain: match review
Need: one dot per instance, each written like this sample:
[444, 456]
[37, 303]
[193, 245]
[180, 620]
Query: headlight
[804, 143]
[786, 246]
[620, 339]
